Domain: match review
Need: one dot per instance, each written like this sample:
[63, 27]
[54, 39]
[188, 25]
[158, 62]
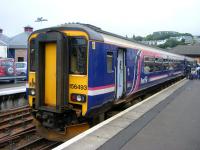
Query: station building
[18, 45]
[4, 43]
[188, 50]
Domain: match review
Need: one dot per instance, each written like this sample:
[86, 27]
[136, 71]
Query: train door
[52, 71]
[120, 73]
[50, 74]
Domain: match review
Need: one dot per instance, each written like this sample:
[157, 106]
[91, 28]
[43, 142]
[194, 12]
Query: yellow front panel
[78, 84]
[32, 37]
[50, 74]
[31, 80]
[31, 84]
[76, 33]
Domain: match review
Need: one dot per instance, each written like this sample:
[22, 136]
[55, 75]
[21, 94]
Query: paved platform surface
[176, 127]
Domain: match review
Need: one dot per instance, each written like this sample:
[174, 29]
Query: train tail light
[78, 98]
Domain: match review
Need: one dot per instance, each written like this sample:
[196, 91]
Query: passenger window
[149, 63]
[171, 64]
[109, 58]
[178, 64]
[32, 55]
[158, 64]
[78, 55]
[165, 64]
[175, 64]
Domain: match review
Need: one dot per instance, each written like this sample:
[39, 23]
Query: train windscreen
[78, 55]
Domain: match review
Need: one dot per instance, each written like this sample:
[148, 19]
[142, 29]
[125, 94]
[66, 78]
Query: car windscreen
[20, 65]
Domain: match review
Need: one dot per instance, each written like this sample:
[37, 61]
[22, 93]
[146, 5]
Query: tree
[161, 35]
[169, 43]
[187, 34]
[138, 38]
[149, 37]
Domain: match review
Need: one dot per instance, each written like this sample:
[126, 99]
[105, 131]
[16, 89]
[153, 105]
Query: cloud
[124, 17]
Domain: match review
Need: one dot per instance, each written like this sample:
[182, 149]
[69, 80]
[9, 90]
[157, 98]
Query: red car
[7, 67]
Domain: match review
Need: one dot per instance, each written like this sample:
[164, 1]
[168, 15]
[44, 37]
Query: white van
[21, 68]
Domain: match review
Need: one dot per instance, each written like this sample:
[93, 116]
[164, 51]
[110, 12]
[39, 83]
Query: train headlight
[78, 98]
[32, 92]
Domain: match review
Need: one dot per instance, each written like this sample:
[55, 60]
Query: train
[79, 71]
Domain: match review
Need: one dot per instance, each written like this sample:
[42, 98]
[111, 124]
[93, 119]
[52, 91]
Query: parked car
[7, 67]
[21, 68]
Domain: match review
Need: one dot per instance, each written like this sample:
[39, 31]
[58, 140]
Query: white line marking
[101, 91]
[177, 72]
[157, 77]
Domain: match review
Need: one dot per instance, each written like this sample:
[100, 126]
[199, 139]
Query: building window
[109, 58]
[20, 59]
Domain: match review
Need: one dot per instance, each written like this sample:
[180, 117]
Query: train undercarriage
[58, 126]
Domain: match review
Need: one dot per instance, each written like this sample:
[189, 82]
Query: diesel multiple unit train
[78, 71]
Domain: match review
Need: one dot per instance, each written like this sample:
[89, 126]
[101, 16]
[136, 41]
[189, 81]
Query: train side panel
[175, 69]
[102, 77]
[100, 84]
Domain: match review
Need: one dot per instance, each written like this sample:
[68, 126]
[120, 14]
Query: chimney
[1, 30]
[28, 29]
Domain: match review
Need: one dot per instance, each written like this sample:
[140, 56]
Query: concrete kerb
[13, 90]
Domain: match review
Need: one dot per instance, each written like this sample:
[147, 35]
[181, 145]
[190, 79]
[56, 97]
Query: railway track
[15, 123]
[13, 110]
[38, 144]
[17, 131]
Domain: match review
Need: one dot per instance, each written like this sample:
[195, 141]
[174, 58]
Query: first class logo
[144, 80]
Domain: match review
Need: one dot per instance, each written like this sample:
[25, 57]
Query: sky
[123, 17]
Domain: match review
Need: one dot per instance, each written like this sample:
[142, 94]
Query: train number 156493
[80, 87]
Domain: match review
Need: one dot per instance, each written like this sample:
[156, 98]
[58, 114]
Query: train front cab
[58, 77]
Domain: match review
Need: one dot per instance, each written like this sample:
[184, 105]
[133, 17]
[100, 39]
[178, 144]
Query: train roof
[97, 34]
[93, 34]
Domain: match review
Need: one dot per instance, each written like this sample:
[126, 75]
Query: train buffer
[167, 120]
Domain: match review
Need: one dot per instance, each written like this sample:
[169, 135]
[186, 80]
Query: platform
[167, 120]
[176, 127]
[8, 89]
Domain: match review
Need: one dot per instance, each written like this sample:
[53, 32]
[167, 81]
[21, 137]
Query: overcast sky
[123, 17]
